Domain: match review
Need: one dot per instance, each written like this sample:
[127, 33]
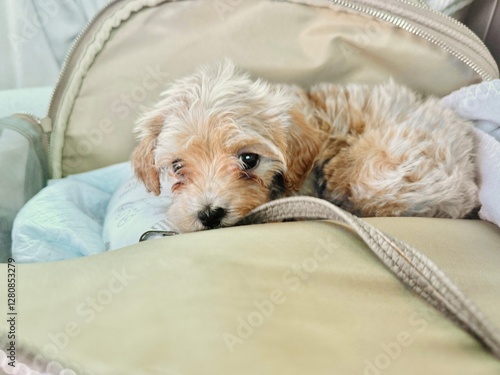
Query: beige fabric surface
[291, 298]
[122, 70]
[298, 298]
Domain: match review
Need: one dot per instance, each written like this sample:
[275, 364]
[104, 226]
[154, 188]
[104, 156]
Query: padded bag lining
[279, 41]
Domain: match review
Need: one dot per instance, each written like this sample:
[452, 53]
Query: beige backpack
[304, 297]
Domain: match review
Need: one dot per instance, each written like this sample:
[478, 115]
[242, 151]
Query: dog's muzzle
[211, 217]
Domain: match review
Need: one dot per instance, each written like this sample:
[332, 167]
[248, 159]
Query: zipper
[37, 124]
[419, 13]
[70, 59]
[438, 22]
[423, 4]
[43, 150]
[460, 30]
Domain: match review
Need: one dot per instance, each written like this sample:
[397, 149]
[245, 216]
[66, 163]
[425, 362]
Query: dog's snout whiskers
[211, 217]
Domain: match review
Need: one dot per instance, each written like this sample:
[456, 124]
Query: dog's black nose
[211, 217]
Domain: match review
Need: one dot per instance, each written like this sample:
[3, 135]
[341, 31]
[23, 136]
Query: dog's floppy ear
[148, 129]
[303, 142]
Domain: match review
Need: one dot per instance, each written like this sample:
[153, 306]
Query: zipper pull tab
[46, 124]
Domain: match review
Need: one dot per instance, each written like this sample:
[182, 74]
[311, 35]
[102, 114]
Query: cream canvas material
[303, 42]
[289, 298]
[283, 298]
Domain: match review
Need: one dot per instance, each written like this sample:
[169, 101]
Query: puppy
[228, 143]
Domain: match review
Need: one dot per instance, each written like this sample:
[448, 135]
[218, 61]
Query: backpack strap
[408, 264]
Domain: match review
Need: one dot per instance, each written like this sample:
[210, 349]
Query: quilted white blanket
[481, 104]
[65, 219]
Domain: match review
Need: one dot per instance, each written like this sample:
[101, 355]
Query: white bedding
[480, 103]
[106, 209]
[65, 219]
[133, 211]
[86, 214]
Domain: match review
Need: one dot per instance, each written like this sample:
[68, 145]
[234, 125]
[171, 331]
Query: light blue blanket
[65, 220]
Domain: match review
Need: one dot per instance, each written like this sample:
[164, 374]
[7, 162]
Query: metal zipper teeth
[32, 116]
[69, 55]
[362, 9]
[476, 43]
[403, 24]
[458, 30]
[423, 4]
[418, 3]
[35, 120]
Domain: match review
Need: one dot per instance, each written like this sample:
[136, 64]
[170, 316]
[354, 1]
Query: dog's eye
[177, 165]
[249, 160]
